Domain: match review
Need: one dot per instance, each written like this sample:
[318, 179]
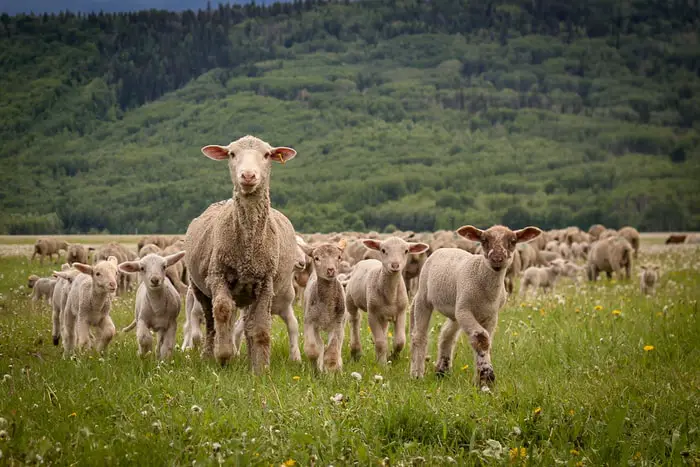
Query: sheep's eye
[406, 251]
[267, 155]
[141, 268]
[383, 251]
[98, 274]
[317, 259]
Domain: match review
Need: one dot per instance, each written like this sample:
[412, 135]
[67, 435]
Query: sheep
[539, 277]
[469, 290]
[176, 271]
[88, 304]
[552, 246]
[675, 238]
[528, 255]
[122, 254]
[607, 233]
[42, 287]
[157, 303]
[545, 257]
[377, 287]
[579, 250]
[648, 280]
[564, 251]
[569, 269]
[612, 254]
[631, 235]
[595, 230]
[48, 247]
[194, 316]
[241, 253]
[324, 307]
[64, 282]
[513, 271]
[692, 239]
[149, 249]
[301, 276]
[77, 253]
[160, 241]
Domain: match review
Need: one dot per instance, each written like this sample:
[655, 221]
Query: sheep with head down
[470, 291]
[242, 253]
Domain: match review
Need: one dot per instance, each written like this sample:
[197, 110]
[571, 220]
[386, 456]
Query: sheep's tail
[130, 326]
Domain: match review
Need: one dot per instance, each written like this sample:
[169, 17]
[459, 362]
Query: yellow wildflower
[289, 463]
[637, 456]
[648, 348]
[578, 310]
[523, 452]
[513, 453]
[515, 333]
[580, 464]
[541, 311]
[296, 378]
[465, 367]
[523, 304]
[574, 452]
[390, 334]
[597, 308]
[537, 411]
[73, 415]
[572, 412]
[616, 312]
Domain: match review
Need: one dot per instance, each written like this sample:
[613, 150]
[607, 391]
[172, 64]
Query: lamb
[607, 233]
[64, 282]
[648, 280]
[194, 316]
[469, 290]
[150, 249]
[88, 304]
[77, 253]
[42, 287]
[595, 230]
[545, 257]
[377, 287]
[513, 271]
[612, 254]
[539, 277]
[157, 303]
[160, 241]
[631, 235]
[528, 255]
[122, 254]
[569, 269]
[241, 253]
[301, 276]
[48, 247]
[176, 271]
[564, 251]
[324, 307]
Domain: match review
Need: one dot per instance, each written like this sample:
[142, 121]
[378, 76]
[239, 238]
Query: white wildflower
[356, 375]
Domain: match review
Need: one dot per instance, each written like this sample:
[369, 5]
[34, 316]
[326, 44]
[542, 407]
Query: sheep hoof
[55, 340]
[355, 354]
[295, 356]
[487, 376]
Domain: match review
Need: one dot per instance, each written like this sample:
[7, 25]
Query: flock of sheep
[243, 255]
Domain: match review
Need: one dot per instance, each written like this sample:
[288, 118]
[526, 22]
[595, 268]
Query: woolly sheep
[324, 307]
[631, 235]
[302, 276]
[377, 287]
[149, 249]
[157, 303]
[48, 247]
[612, 254]
[607, 233]
[88, 304]
[77, 253]
[64, 281]
[241, 253]
[539, 277]
[513, 271]
[469, 290]
[648, 280]
[528, 255]
[42, 287]
[160, 241]
[595, 230]
[176, 271]
[122, 254]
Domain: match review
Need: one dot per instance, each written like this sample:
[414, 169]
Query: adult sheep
[612, 254]
[241, 253]
[48, 247]
[631, 235]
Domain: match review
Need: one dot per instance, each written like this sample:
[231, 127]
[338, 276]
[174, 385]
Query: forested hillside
[406, 113]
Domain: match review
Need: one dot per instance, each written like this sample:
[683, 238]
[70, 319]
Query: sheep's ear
[174, 258]
[644, 268]
[305, 247]
[417, 248]
[65, 267]
[471, 233]
[130, 266]
[342, 244]
[113, 260]
[216, 152]
[282, 154]
[61, 274]
[372, 244]
[84, 268]
[527, 234]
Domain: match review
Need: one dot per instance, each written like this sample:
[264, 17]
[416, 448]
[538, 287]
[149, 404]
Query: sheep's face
[326, 260]
[104, 274]
[498, 242]
[152, 268]
[395, 251]
[249, 162]
[32, 280]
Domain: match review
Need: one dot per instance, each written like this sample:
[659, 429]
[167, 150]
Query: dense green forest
[408, 114]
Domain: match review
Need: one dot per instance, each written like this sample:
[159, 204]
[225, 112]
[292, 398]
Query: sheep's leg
[34, 256]
[446, 345]
[196, 330]
[144, 338]
[258, 324]
[224, 311]
[106, 331]
[68, 332]
[480, 340]
[187, 332]
[355, 322]
[313, 346]
[421, 312]
[333, 358]
[379, 328]
[399, 334]
[293, 330]
[167, 342]
[208, 349]
[238, 329]
[56, 323]
[82, 332]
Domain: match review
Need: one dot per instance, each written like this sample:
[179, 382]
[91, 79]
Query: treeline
[410, 114]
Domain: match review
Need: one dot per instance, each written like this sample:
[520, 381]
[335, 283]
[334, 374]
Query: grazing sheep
[157, 303]
[692, 239]
[631, 235]
[64, 281]
[377, 287]
[324, 307]
[194, 317]
[579, 250]
[569, 269]
[48, 247]
[149, 249]
[607, 233]
[469, 290]
[241, 253]
[648, 280]
[595, 230]
[675, 238]
[88, 304]
[539, 277]
[77, 253]
[42, 287]
[612, 254]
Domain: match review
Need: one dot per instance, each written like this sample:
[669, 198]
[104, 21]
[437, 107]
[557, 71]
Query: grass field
[589, 375]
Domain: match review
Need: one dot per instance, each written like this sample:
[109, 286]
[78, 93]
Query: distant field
[593, 374]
